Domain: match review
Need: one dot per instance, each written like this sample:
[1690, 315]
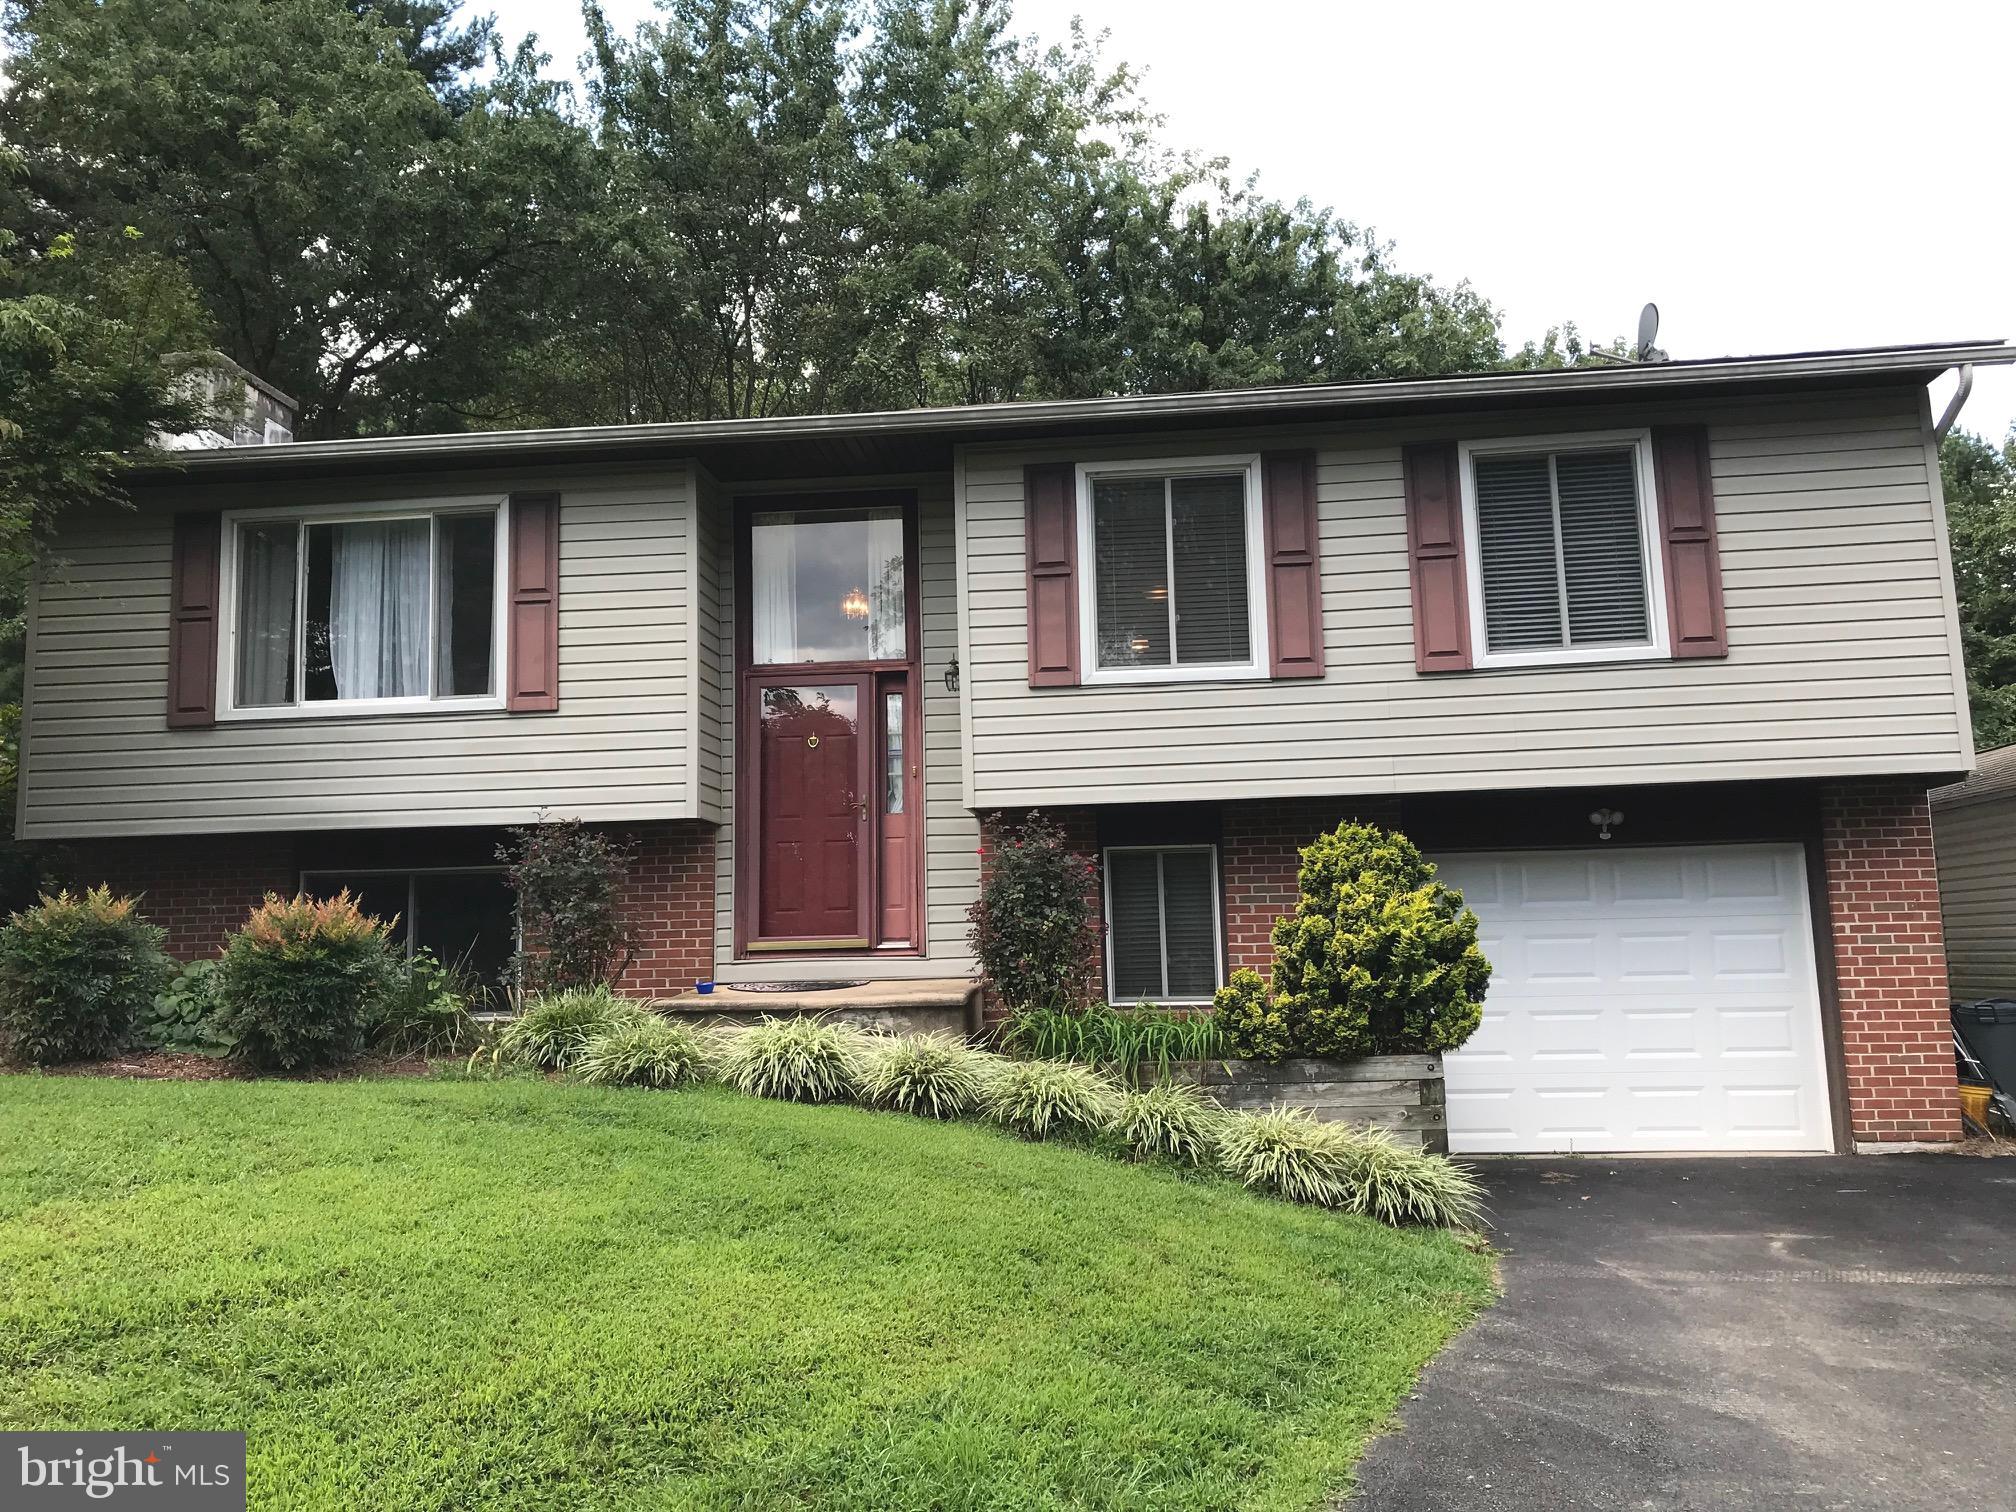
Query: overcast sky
[1777, 177]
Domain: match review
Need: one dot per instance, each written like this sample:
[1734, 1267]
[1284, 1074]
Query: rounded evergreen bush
[76, 973]
[298, 984]
[1378, 959]
[646, 1051]
[930, 1074]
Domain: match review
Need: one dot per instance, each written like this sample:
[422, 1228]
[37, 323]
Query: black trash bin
[1988, 1028]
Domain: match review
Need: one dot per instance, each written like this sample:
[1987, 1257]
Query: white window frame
[1162, 893]
[430, 510]
[1658, 647]
[1256, 664]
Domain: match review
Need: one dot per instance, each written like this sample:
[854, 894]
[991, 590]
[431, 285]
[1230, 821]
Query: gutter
[1954, 405]
[997, 420]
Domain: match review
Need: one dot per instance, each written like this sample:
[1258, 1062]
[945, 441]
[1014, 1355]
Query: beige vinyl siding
[951, 831]
[714, 648]
[1843, 656]
[100, 760]
[1976, 844]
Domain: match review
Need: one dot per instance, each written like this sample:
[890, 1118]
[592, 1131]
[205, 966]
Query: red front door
[813, 751]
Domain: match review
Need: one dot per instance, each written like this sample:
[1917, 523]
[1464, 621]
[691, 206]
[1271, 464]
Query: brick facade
[1889, 960]
[1260, 859]
[200, 887]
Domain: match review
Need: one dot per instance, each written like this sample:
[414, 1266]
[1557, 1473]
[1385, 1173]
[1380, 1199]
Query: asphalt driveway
[1834, 1333]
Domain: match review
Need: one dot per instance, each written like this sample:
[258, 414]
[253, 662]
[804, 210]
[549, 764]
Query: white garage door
[1648, 999]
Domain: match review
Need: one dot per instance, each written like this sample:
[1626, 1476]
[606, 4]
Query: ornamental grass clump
[809, 1060]
[1169, 1121]
[75, 975]
[1042, 1098]
[1401, 1186]
[1287, 1152]
[557, 1026]
[933, 1075]
[298, 984]
[642, 1052]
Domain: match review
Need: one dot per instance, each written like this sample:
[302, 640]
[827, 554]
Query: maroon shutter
[1294, 564]
[1687, 536]
[1050, 489]
[192, 618]
[533, 636]
[1435, 558]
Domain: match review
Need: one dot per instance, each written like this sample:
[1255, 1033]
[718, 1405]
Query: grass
[523, 1294]
[1126, 1041]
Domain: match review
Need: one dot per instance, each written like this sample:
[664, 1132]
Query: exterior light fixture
[855, 604]
[1138, 645]
[1603, 819]
[952, 675]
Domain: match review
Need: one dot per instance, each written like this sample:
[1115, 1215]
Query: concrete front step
[949, 1005]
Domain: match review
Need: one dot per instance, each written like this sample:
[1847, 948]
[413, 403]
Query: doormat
[791, 986]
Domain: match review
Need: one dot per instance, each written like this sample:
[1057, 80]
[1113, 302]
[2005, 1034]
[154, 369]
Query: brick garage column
[1889, 960]
[1260, 853]
[671, 903]
[197, 887]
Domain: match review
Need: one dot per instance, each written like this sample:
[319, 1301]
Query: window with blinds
[1162, 924]
[1171, 581]
[1561, 551]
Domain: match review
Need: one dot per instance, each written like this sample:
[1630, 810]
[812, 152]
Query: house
[1657, 660]
[1974, 823]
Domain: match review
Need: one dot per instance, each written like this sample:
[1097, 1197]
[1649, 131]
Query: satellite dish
[1648, 331]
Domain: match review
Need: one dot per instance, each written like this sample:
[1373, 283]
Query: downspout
[1953, 405]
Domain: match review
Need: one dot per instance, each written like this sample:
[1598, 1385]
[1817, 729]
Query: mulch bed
[168, 1065]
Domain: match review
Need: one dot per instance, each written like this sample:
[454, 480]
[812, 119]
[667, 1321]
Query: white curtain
[885, 594]
[773, 570]
[266, 615]
[378, 610]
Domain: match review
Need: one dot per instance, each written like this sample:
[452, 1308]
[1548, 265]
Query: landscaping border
[1401, 1094]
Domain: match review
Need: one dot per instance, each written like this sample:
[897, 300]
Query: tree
[1980, 487]
[337, 216]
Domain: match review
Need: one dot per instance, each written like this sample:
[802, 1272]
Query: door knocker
[812, 742]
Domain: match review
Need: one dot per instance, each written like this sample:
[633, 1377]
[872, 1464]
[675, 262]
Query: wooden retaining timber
[1399, 1093]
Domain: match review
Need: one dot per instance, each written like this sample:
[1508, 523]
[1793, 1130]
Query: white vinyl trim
[1256, 664]
[338, 514]
[1658, 646]
[1162, 902]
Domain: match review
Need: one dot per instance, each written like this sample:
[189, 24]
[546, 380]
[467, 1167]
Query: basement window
[1163, 940]
[465, 917]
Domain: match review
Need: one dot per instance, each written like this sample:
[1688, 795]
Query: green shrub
[184, 1015]
[1121, 1040]
[1169, 1121]
[1378, 959]
[554, 1028]
[1398, 1185]
[298, 984]
[798, 1059]
[641, 1052]
[75, 975]
[570, 881]
[931, 1074]
[1035, 926]
[424, 1010]
[1039, 1098]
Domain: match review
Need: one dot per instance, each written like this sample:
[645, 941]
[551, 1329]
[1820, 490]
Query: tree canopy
[1980, 485]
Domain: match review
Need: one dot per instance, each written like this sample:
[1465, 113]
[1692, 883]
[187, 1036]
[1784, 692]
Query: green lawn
[454, 1294]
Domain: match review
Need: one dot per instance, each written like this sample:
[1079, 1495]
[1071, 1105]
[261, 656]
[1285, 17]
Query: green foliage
[75, 974]
[184, 1016]
[934, 1075]
[803, 1059]
[1035, 928]
[560, 1282]
[1041, 1098]
[1980, 487]
[1169, 1121]
[1401, 1186]
[1287, 1152]
[570, 881]
[556, 1027]
[642, 1052]
[1121, 1040]
[424, 1010]
[1378, 959]
[297, 986]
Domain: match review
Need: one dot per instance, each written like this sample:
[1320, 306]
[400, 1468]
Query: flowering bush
[1378, 959]
[297, 985]
[75, 972]
[1035, 929]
